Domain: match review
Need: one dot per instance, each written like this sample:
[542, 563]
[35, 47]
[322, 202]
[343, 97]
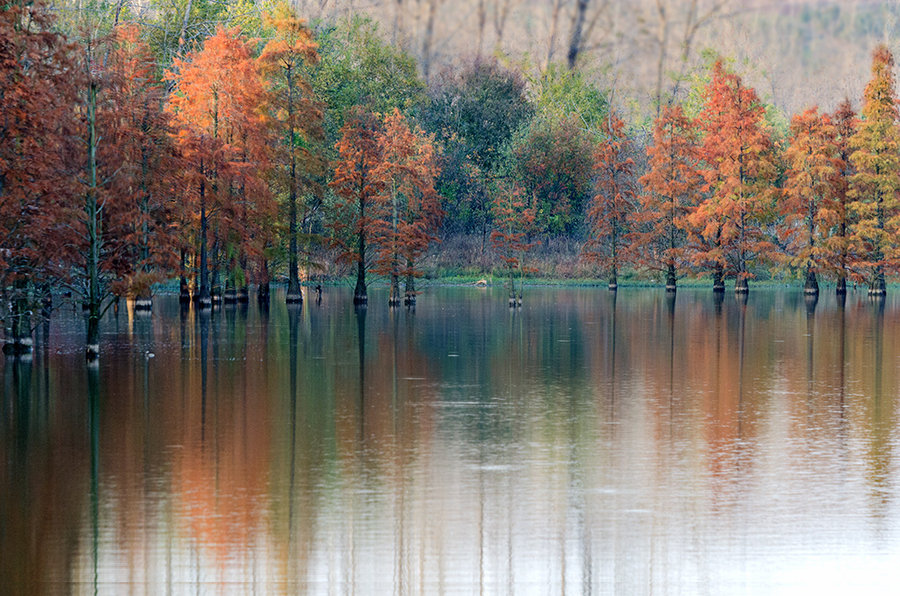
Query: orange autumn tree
[609, 211]
[216, 106]
[838, 256]
[298, 118]
[809, 193]
[875, 185]
[739, 169]
[514, 224]
[408, 204]
[246, 222]
[355, 187]
[671, 187]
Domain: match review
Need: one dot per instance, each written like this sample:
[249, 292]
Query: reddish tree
[838, 256]
[671, 194]
[809, 192]
[514, 223]
[609, 211]
[36, 95]
[356, 187]
[138, 236]
[739, 169]
[409, 204]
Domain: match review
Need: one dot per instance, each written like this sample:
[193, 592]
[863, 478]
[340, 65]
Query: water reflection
[626, 442]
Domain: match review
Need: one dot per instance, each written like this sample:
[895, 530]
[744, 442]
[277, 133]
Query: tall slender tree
[875, 185]
[838, 246]
[671, 193]
[408, 202]
[356, 187]
[610, 210]
[285, 61]
[809, 192]
[140, 241]
[514, 224]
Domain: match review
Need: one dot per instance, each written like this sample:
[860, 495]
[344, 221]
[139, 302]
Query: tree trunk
[94, 231]
[215, 281]
[718, 278]
[410, 298]
[294, 293]
[878, 286]
[360, 293]
[614, 279]
[811, 287]
[394, 299]
[243, 291]
[428, 39]
[671, 280]
[184, 290]
[204, 300]
[19, 341]
[575, 42]
[741, 285]
[262, 291]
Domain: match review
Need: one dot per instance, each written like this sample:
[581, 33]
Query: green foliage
[552, 160]
[561, 93]
[479, 107]
[358, 68]
[473, 111]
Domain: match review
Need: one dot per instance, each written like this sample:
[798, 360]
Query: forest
[139, 152]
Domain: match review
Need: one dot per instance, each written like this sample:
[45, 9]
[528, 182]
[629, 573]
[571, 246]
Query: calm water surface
[586, 444]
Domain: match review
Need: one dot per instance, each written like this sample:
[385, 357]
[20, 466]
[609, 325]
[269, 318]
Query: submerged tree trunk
[718, 278]
[19, 340]
[878, 286]
[811, 287]
[204, 300]
[143, 301]
[741, 285]
[94, 231]
[410, 298]
[184, 290]
[671, 280]
[294, 293]
[394, 299]
[262, 291]
[215, 281]
[515, 300]
[360, 293]
[243, 291]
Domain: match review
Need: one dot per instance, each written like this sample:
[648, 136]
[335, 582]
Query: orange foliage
[356, 187]
[408, 204]
[810, 191]
[739, 170]
[514, 223]
[217, 104]
[671, 193]
[609, 211]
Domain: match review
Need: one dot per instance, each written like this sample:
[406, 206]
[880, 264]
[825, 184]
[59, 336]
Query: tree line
[286, 148]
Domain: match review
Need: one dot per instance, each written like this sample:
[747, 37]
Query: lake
[587, 443]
